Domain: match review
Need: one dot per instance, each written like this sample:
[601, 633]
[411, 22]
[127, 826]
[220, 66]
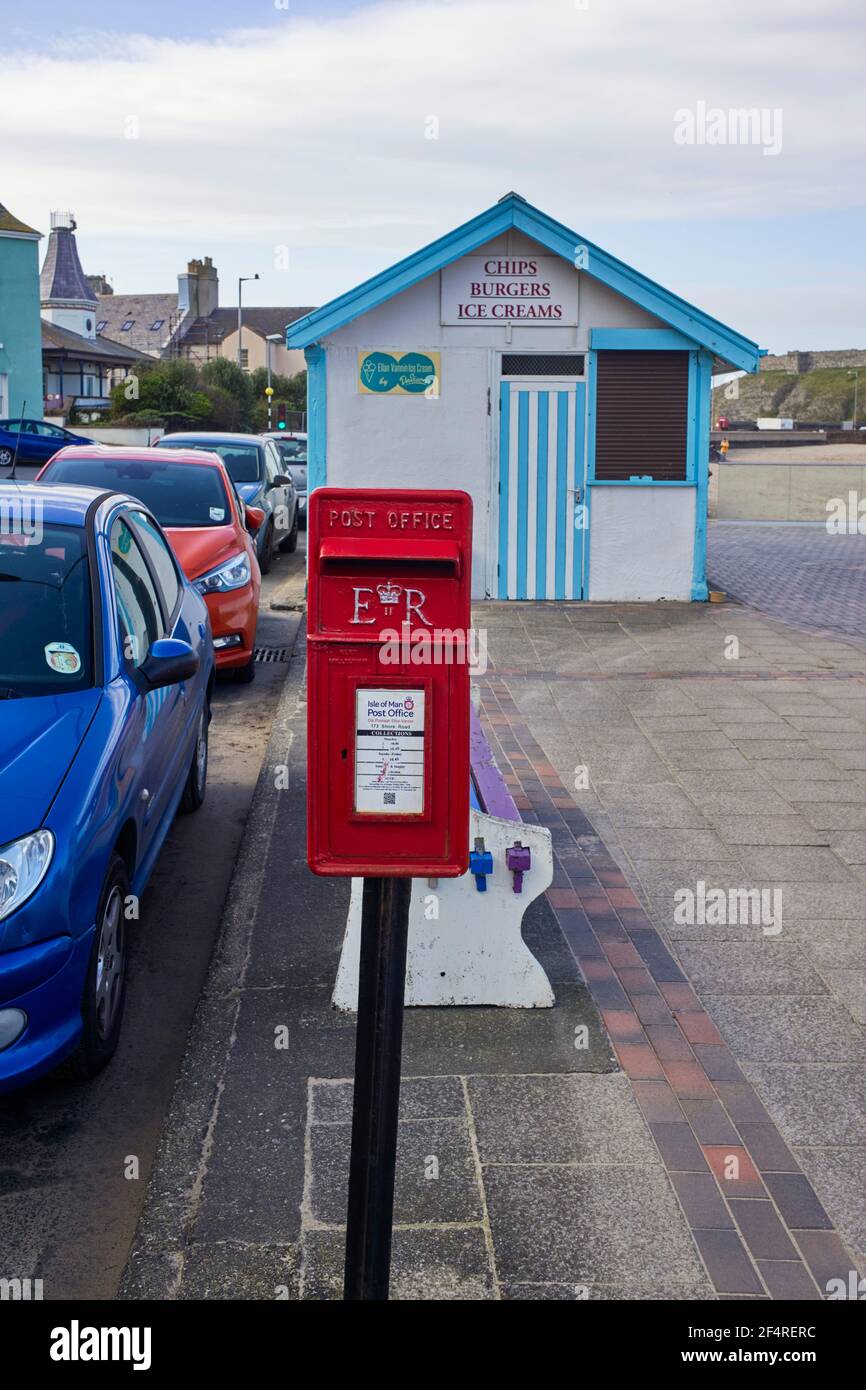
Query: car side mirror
[169, 662]
[254, 517]
[282, 481]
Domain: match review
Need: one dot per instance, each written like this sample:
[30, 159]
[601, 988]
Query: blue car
[106, 675]
[35, 441]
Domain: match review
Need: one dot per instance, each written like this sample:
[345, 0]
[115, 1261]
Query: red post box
[388, 644]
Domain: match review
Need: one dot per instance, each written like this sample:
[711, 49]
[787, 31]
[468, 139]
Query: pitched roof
[514, 212]
[10, 223]
[62, 277]
[143, 311]
[55, 339]
[218, 325]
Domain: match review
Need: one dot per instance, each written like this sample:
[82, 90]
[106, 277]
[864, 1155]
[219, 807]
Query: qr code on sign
[389, 798]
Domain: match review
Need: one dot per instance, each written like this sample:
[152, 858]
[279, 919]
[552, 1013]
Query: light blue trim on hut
[317, 416]
[701, 436]
[513, 212]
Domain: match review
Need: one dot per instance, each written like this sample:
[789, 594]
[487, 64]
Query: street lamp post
[269, 392]
[856, 376]
[242, 279]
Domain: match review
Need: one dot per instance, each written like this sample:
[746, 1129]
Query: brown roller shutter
[641, 426]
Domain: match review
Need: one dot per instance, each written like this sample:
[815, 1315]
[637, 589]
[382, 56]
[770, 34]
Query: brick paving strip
[754, 1216]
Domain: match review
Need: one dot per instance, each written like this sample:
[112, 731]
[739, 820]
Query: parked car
[254, 468]
[106, 673]
[293, 458]
[192, 497]
[36, 441]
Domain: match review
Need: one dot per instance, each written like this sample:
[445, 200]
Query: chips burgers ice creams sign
[510, 289]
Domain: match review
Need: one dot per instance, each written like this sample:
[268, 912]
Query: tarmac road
[74, 1161]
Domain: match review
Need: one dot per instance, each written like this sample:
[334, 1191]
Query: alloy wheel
[110, 963]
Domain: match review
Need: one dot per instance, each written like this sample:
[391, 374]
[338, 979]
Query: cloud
[314, 133]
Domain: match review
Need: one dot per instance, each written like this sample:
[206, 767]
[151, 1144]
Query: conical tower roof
[62, 280]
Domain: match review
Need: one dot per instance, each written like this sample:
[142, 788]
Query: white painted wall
[75, 320]
[641, 542]
[452, 441]
[134, 438]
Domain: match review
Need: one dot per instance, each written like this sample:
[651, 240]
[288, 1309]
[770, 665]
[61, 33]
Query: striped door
[542, 490]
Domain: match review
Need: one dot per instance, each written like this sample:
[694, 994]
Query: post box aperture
[388, 704]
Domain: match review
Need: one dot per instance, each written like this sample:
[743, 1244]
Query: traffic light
[281, 415]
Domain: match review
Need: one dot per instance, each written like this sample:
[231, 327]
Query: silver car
[292, 448]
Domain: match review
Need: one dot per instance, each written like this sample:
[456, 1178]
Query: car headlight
[23, 865]
[234, 574]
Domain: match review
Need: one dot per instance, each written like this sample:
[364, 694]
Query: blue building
[565, 391]
[20, 328]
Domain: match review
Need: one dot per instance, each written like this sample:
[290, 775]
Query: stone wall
[782, 491]
[800, 362]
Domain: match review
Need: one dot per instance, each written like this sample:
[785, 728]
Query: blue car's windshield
[45, 620]
[243, 461]
[178, 494]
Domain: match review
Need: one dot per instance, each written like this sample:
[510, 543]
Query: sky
[318, 141]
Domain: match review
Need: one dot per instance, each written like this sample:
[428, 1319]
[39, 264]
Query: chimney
[198, 289]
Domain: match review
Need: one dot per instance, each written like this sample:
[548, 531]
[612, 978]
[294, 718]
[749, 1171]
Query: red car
[193, 498]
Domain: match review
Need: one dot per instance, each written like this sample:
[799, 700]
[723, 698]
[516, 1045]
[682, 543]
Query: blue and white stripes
[542, 461]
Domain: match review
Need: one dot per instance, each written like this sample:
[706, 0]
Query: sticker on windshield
[217, 514]
[63, 659]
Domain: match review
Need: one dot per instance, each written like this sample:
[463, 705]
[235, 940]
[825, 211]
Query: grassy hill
[827, 394]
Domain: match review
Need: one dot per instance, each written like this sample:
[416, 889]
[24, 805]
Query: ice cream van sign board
[389, 752]
[398, 373]
[537, 290]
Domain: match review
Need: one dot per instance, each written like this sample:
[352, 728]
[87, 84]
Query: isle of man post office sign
[398, 372]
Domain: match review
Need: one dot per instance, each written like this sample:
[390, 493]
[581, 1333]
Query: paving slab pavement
[703, 770]
[797, 571]
[526, 1167]
[716, 1150]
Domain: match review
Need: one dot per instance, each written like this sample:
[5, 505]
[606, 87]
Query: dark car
[253, 464]
[293, 456]
[36, 441]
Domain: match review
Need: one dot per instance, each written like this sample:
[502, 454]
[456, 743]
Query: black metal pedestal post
[378, 1051]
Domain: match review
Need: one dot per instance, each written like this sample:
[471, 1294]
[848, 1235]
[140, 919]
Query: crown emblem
[389, 594]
